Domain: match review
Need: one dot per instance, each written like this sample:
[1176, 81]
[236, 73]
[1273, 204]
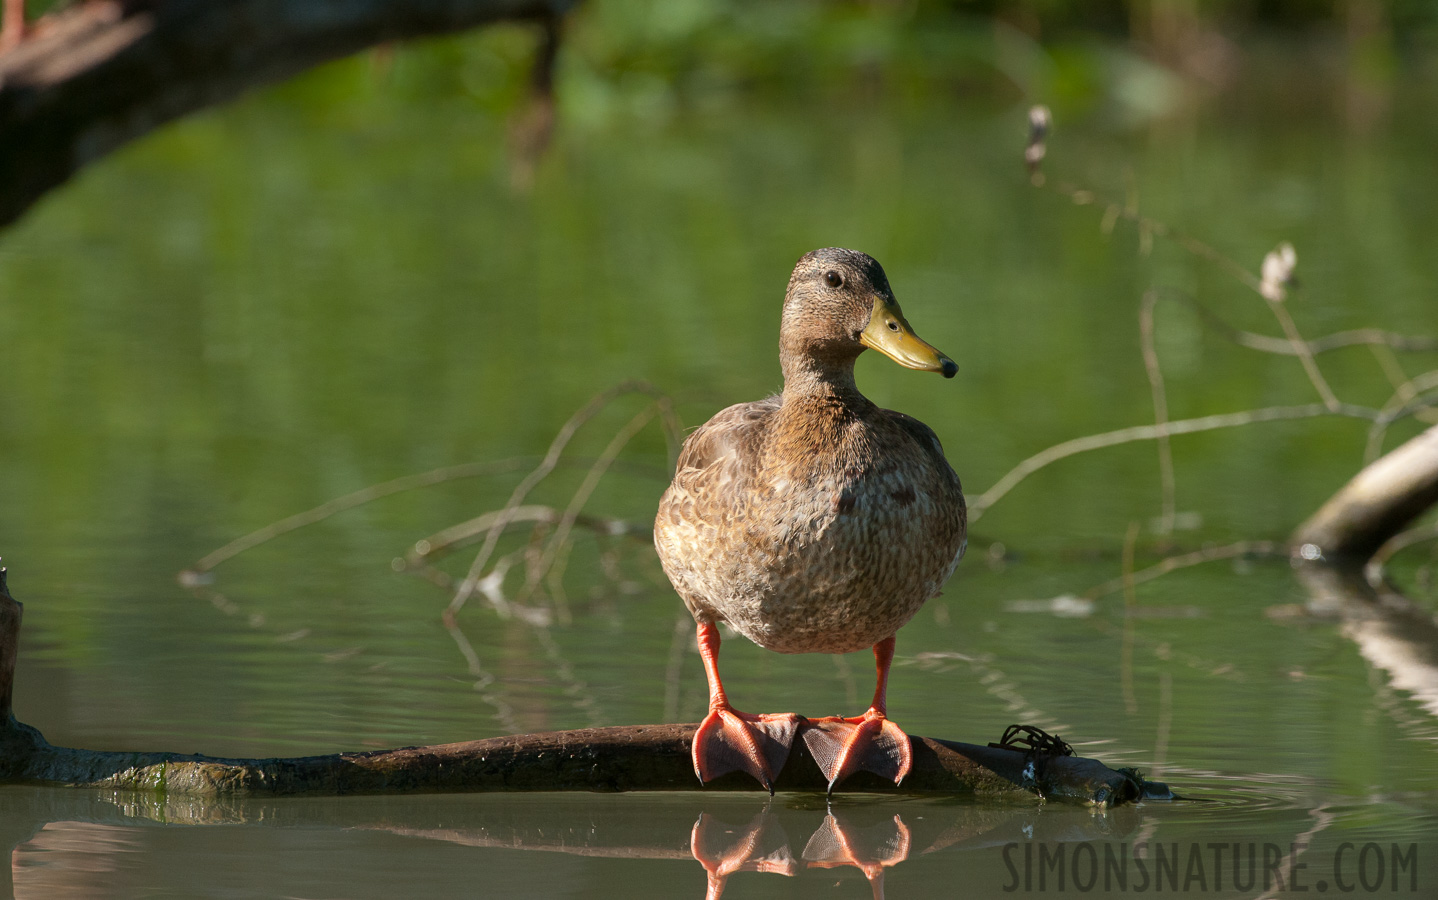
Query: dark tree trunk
[99, 74]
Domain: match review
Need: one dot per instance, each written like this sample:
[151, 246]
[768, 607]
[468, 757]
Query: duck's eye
[834, 279]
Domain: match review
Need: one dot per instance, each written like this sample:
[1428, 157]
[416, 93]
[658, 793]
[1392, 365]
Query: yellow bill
[889, 333]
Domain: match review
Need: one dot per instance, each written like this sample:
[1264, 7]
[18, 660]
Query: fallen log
[1373, 507]
[623, 758]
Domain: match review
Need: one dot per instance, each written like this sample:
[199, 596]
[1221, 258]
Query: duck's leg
[843, 746]
[728, 740]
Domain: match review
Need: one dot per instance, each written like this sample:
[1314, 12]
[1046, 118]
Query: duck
[814, 521]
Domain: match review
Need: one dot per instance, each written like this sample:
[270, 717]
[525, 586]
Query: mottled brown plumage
[815, 521]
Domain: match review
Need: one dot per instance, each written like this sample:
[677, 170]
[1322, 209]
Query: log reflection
[1392, 632]
[726, 835]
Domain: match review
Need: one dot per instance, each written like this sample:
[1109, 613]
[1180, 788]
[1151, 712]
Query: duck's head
[839, 302]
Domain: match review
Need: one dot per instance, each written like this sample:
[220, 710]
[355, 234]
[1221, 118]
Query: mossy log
[621, 758]
[624, 758]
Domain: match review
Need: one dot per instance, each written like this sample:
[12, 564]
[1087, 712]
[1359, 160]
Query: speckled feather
[813, 521]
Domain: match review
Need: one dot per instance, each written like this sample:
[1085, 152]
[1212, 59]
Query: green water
[269, 306]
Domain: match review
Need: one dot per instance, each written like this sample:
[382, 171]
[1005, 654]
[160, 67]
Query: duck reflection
[870, 849]
[763, 846]
[760, 846]
[789, 835]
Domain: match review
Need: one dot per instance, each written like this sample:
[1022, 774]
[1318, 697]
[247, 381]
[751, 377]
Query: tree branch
[99, 74]
[1374, 506]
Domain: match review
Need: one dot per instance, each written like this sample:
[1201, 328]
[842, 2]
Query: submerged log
[1374, 506]
[625, 758]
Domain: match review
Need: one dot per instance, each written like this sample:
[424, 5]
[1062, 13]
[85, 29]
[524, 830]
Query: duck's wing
[723, 451]
[710, 490]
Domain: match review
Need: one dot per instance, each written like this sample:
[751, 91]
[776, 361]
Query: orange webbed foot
[731, 741]
[843, 746]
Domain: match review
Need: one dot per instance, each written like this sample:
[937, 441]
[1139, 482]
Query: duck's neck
[811, 378]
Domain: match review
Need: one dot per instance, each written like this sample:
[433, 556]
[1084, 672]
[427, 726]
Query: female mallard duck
[814, 521]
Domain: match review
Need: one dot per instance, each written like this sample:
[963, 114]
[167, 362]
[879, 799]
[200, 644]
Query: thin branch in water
[547, 465]
[1407, 399]
[1129, 581]
[1160, 411]
[1130, 700]
[581, 496]
[1053, 454]
[456, 537]
[197, 573]
[579, 691]
[503, 711]
[1322, 818]
[674, 668]
[340, 504]
[1165, 721]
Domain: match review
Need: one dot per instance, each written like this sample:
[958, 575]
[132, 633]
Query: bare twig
[1053, 454]
[1160, 411]
[1374, 337]
[484, 681]
[464, 534]
[551, 460]
[1127, 582]
[1406, 400]
[578, 691]
[1150, 228]
[1130, 599]
[1165, 720]
[1277, 271]
[560, 539]
[340, 504]
[679, 641]
[1278, 268]
[365, 495]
